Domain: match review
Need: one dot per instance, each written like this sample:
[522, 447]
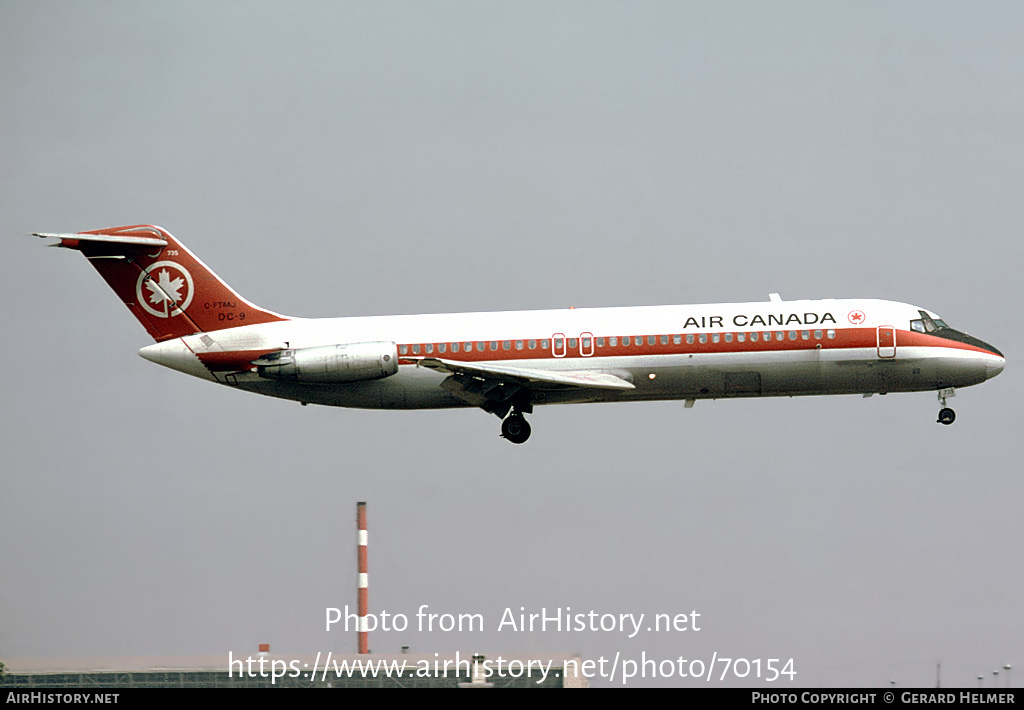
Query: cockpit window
[927, 324]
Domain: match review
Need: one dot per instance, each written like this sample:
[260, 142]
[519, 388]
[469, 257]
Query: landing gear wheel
[946, 416]
[516, 429]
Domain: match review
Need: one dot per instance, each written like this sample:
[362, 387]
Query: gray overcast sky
[378, 158]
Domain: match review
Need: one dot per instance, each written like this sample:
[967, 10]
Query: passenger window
[753, 337]
[625, 340]
[652, 339]
[544, 344]
[806, 335]
[740, 337]
[572, 342]
[403, 349]
[533, 345]
[429, 348]
[442, 347]
[415, 349]
[494, 345]
[613, 341]
[586, 343]
[664, 340]
[677, 339]
[689, 338]
[506, 345]
[559, 343]
[817, 335]
[480, 346]
[519, 345]
[779, 335]
[455, 347]
[469, 347]
[831, 334]
[600, 342]
[792, 335]
[715, 338]
[703, 338]
[728, 337]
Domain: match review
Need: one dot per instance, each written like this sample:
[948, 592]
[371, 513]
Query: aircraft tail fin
[165, 286]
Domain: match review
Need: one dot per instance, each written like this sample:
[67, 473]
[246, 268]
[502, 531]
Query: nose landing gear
[515, 428]
[946, 415]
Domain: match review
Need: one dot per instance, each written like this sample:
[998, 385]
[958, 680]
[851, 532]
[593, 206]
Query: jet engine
[326, 364]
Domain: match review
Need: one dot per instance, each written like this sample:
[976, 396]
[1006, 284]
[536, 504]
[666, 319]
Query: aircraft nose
[992, 350]
[994, 368]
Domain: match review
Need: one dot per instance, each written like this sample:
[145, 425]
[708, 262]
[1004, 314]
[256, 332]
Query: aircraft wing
[526, 376]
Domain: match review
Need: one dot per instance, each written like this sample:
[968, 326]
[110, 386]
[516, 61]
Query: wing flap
[528, 376]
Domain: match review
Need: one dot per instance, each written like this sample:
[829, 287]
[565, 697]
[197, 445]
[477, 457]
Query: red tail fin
[164, 285]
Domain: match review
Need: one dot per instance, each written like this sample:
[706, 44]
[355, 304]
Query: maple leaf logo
[165, 288]
[168, 289]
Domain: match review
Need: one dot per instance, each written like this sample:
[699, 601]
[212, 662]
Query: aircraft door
[558, 346]
[886, 341]
[586, 344]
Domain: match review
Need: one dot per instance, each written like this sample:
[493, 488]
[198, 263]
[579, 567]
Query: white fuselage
[773, 348]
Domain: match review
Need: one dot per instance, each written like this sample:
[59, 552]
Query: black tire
[516, 429]
[946, 416]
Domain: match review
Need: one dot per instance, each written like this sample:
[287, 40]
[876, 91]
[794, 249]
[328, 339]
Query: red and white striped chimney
[363, 575]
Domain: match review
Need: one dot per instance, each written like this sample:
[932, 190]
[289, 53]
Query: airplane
[508, 362]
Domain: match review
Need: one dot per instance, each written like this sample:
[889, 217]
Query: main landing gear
[946, 415]
[515, 428]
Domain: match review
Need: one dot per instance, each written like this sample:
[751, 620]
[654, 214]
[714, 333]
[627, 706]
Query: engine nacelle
[349, 362]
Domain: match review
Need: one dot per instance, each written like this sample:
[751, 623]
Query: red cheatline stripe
[233, 360]
[845, 338]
